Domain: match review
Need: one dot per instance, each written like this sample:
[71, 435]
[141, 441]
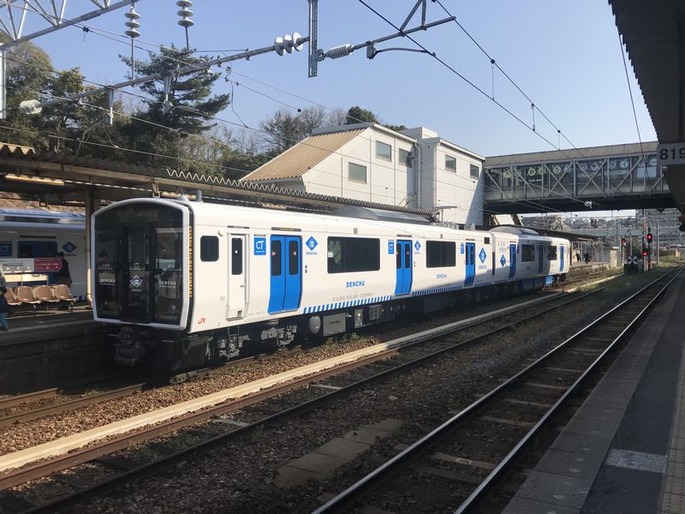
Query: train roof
[368, 213]
[40, 216]
[519, 231]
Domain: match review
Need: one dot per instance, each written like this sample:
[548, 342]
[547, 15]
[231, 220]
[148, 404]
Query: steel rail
[42, 469]
[344, 498]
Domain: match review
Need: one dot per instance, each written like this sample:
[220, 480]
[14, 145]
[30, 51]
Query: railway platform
[624, 450]
[50, 348]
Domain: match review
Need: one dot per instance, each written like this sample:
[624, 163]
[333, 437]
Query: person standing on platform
[63, 275]
[4, 309]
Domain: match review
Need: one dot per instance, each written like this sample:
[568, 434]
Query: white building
[412, 168]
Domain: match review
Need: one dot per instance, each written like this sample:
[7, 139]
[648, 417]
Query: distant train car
[28, 235]
[181, 284]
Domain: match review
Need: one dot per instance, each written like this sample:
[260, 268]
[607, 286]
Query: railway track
[416, 351]
[471, 453]
[55, 401]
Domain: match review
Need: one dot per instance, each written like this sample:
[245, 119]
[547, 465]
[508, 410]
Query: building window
[357, 172]
[441, 254]
[475, 171]
[404, 157]
[450, 163]
[383, 151]
[348, 254]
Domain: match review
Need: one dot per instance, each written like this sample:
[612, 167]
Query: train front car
[141, 281]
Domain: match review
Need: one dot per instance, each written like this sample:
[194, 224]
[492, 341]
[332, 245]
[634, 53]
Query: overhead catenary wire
[289, 106]
[539, 207]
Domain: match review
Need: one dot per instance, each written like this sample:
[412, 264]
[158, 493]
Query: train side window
[275, 258]
[441, 254]
[29, 249]
[346, 254]
[527, 253]
[209, 248]
[334, 255]
[236, 256]
[552, 253]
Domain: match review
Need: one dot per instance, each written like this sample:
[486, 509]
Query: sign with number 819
[670, 153]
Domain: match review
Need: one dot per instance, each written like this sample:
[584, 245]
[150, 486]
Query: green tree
[28, 73]
[284, 129]
[358, 115]
[31, 76]
[161, 125]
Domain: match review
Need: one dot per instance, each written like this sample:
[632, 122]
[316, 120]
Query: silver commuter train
[28, 234]
[182, 284]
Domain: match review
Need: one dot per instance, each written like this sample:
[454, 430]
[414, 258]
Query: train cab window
[441, 254]
[236, 256]
[209, 248]
[346, 254]
[527, 253]
[551, 253]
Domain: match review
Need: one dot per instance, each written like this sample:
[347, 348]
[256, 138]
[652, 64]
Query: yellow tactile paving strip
[674, 487]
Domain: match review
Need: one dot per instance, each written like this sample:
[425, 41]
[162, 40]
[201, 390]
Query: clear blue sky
[565, 56]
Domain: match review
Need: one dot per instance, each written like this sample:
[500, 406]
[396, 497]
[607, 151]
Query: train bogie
[189, 282]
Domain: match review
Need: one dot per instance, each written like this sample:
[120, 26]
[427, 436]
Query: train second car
[182, 284]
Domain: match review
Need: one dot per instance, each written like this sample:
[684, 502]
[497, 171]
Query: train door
[286, 273]
[470, 264]
[136, 280]
[237, 284]
[541, 258]
[404, 266]
[512, 260]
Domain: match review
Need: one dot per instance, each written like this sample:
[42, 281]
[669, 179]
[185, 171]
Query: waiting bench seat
[26, 296]
[46, 296]
[11, 298]
[63, 294]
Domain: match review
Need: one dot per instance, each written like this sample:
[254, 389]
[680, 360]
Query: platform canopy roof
[653, 32]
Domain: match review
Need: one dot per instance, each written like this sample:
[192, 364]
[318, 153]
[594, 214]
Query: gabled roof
[299, 159]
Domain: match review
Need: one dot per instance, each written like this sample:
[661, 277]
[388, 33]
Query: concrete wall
[56, 358]
[388, 181]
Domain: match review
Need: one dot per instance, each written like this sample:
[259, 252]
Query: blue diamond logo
[502, 260]
[69, 247]
[311, 243]
[417, 245]
[482, 255]
[136, 281]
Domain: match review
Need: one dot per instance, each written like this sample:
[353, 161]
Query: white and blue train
[183, 283]
[29, 236]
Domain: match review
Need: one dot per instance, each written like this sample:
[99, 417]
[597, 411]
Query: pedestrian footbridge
[611, 177]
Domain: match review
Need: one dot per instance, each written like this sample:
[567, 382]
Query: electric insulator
[185, 13]
[339, 51]
[132, 23]
[288, 43]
